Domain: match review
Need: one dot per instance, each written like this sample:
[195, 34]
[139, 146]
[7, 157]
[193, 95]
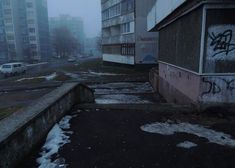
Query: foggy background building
[73, 24]
[25, 31]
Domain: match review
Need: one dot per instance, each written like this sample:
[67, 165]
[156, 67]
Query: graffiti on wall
[221, 42]
[218, 88]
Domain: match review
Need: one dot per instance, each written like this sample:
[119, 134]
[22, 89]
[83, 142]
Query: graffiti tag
[215, 88]
[221, 42]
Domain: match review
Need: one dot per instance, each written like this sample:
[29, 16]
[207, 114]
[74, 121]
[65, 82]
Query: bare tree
[64, 43]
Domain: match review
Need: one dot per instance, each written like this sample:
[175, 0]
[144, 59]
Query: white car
[71, 59]
[10, 69]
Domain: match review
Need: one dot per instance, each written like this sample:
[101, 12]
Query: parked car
[71, 59]
[11, 69]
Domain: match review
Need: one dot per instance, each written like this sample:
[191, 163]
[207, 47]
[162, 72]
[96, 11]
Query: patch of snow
[120, 98]
[48, 77]
[55, 139]
[72, 75]
[103, 74]
[123, 87]
[186, 144]
[51, 77]
[41, 63]
[169, 128]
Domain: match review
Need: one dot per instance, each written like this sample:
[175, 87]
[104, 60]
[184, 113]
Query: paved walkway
[113, 138]
[108, 136]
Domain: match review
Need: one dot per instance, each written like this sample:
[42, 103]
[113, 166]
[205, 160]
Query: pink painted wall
[187, 87]
[183, 81]
[217, 89]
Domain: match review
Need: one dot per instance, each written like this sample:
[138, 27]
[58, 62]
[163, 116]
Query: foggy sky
[88, 10]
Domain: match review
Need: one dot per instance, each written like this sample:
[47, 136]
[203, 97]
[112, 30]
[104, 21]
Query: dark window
[128, 49]
[32, 30]
[7, 11]
[32, 38]
[29, 5]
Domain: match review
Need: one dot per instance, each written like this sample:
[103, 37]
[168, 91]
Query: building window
[10, 37]
[128, 6]
[6, 2]
[30, 13]
[31, 30]
[31, 21]
[25, 39]
[11, 46]
[8, 21]
[32, 38]
[128, 49]
[115, 10]
[127, 27]
[33, 46]
[7, 11]
[105, 15]
[29, 4]
[112, 49]
[111, 12]
[9, 28]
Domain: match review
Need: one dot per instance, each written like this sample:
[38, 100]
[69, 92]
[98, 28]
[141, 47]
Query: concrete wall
[219, 48]
[217, 89]
[184, 87]
[178, 85]
[23, 130]
[179, 42]
[197, 54]
[122, 59]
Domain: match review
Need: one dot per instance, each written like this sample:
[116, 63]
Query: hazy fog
[88, 10]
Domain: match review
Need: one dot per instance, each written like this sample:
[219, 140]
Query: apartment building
[196, 51]
[125, 39]
[73, 24]
[25, 29]
[3, 43]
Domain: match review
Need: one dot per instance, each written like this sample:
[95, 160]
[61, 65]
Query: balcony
[127, 38]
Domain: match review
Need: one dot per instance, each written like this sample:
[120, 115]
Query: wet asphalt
[113, 138]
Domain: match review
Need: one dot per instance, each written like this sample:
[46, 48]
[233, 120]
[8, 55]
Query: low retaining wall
[22, 131]
[153, 78]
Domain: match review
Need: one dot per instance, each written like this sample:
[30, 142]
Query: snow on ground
[169, 128]
[120, 98]
[41, 63]
[103, 74]
[51, 77]
[48, 77]
[123, 87]
[57, 137]
[72, 75]
[186, 144]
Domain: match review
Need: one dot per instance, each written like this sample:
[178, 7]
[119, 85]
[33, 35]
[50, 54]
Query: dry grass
[5, 112]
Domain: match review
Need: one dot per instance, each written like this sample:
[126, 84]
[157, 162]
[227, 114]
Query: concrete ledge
[23, 130]
[158, 108]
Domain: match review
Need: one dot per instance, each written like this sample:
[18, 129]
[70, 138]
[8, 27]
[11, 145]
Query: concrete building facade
[196, 50]
[73, 24]
[125, 39]
[25, 29]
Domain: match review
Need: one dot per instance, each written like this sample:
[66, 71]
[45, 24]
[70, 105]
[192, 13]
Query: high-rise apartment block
[24, 33]
[125, 38]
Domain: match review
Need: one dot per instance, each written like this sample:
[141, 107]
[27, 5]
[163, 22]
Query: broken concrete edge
[23, 130]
